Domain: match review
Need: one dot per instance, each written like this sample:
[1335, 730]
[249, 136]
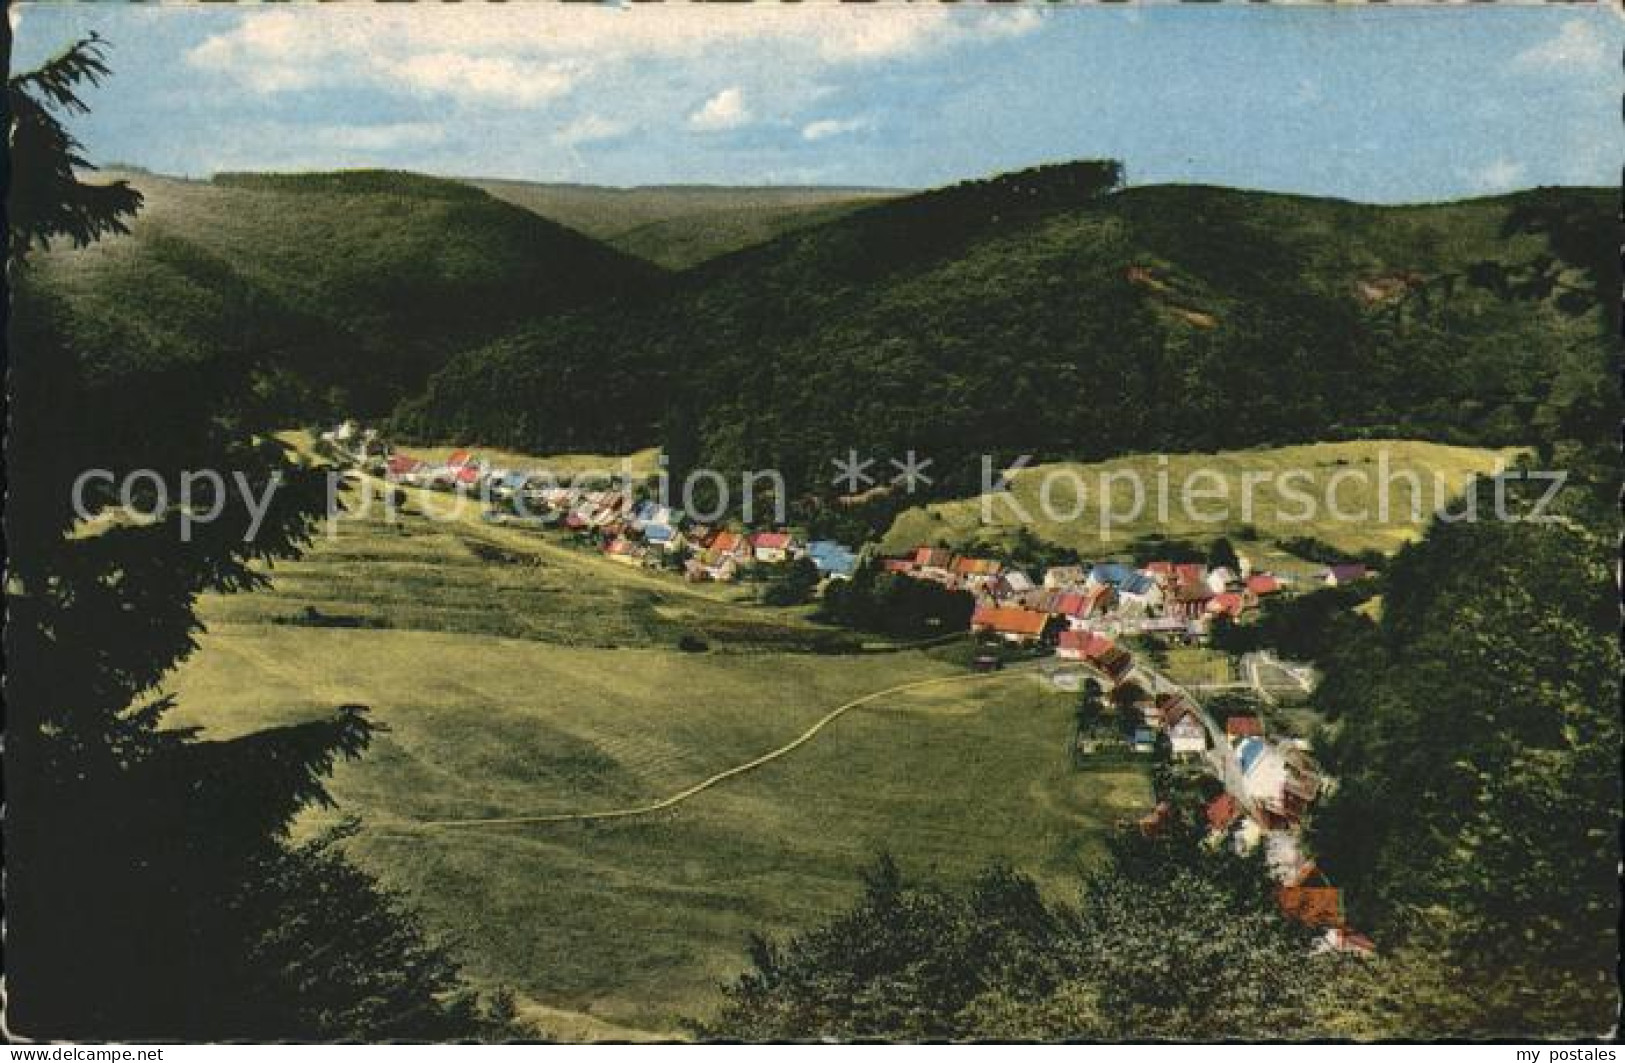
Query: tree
[1169, 940]
[45, 199]
[1223, 555]
[791, 583]
[1091, 705]
[152, 888]
[1479, 776]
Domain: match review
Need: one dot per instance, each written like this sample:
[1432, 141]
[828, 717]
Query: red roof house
[1191, 572]
[1244, 727]
[730, 543]
[403, 465]
[1222, 811]
[1080, 645]
[1310, 898]
[972, 566]
[1263, 584]
[1011, 622]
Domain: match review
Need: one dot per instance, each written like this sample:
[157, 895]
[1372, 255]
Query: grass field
[640, 464]
[517, 676]
[1197, 666]
[1352, 470]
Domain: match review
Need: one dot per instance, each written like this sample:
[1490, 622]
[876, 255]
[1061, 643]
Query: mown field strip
[722, 776]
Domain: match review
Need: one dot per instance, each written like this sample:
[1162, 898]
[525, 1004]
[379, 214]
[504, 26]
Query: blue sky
[1383, 105]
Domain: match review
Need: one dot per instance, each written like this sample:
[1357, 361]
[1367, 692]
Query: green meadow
[514, 675]
[1341, 480]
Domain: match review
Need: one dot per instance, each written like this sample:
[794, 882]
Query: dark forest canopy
[1047, 314]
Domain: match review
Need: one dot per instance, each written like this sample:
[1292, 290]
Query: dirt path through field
[723, 776]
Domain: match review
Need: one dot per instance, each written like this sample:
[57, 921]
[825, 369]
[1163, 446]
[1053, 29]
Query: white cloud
[1499, 176]
[725, 110]
[491, 79]
[824, 128]
[1578, 45]
[532, 53]
[590, 128]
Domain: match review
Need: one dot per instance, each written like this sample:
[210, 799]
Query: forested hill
[1041, 313]
[352, 286]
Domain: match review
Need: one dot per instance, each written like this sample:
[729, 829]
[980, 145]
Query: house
[1109, 574]
[1351, 942]
[1063, 577]
[1077, 645]
[1186, 733]
[1190, 572]
[973, 573]
[1243, 727]
[1158, 821]
[1263, 584]
[770, 547]
[1078, 607]
[663, 536]
[1068, 604]
[1342, 575]
[1140, 590]
[649, 512]
[403, 467]
[1011, 623]
[1188, 601]
[1220, 579]
[1098, 651]
[727, 544]
[506, 483]
[1169, 707]
[625, 551]
[1310, 898]
[728, 550]
[935, 558]
[1222, 812]
[1015, 582]
[1161, 571]
[1280, 778]
[1228, 604]
[832, 560]
[1283, 854]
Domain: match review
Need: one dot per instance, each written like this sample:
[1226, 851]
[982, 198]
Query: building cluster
[1080, 610]
[1177, 600]
[628, 529]
[1268, 783]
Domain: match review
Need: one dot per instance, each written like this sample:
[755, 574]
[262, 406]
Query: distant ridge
[682, 225]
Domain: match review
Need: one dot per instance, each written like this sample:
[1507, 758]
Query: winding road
[723, 776]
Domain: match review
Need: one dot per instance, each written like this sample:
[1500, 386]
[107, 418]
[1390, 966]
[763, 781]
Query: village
[1091, 628]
